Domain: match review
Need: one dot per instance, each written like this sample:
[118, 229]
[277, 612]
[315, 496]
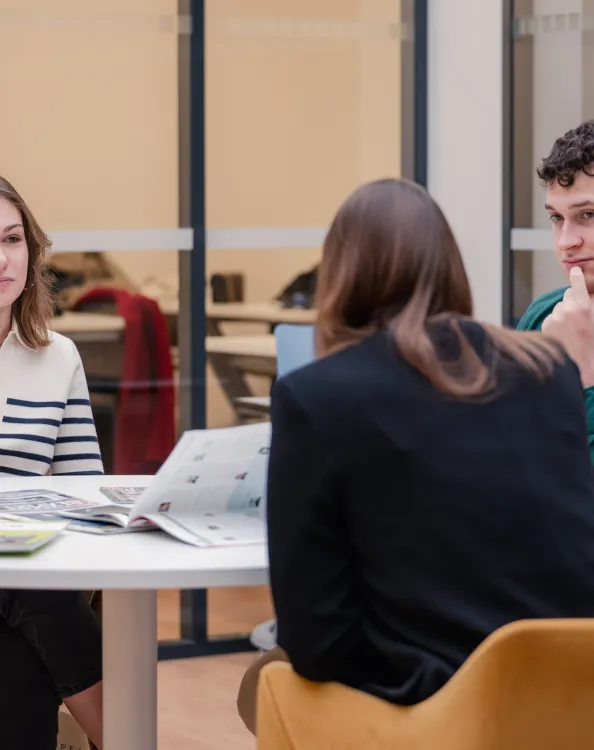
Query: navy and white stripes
[46, 425]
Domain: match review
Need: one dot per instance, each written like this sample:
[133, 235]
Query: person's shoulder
[540, 309]
[61, 348]
[343, 374]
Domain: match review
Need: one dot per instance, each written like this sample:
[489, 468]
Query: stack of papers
[211, 492]
[27, 536]
[40, 503]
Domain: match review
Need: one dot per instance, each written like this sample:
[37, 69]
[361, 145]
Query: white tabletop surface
[140, 560]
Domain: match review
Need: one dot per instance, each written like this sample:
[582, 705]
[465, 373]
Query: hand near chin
[572, 324]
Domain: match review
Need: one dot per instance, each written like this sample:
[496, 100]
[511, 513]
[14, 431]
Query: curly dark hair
[572, 153]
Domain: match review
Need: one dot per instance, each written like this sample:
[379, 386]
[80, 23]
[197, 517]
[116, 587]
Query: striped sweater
[46, 423]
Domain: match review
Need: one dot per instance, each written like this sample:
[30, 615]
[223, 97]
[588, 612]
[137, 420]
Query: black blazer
[405, 526]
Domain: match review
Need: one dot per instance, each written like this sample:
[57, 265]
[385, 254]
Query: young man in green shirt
[568, 313]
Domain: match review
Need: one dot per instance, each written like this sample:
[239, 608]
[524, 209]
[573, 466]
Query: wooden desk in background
[270, 313]
[169, 307]
[99, 338]
[89, 327]
[232, 357]
[258, 347]
[253, 406]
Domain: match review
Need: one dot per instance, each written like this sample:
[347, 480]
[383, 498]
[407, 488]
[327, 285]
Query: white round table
[128, 568]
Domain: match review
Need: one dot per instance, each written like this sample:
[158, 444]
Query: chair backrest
[227, 287]
[530, 686]
[295, 347]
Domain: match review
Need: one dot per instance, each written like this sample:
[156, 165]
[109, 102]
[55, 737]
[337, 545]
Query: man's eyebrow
[580, 204]
[12, 226]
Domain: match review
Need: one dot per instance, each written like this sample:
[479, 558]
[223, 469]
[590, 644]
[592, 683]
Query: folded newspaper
[210, 492]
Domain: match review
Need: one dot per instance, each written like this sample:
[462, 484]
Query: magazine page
[36, 502]
[102, 527]
[122, 495]
[211, 529]
[115, 512]
[211, 491]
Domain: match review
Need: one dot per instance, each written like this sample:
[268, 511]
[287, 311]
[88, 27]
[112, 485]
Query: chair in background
[301, 290]
[530, 686]
[295, 347]
[227, 287]
[144, 392]
[102, 361]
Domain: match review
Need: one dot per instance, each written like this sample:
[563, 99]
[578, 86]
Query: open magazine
[211, 491]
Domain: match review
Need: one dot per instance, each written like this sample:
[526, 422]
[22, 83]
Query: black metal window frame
[507, 167]
[195, 640]
[414, 88]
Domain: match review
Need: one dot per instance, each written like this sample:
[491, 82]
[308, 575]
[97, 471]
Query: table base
[130, 670]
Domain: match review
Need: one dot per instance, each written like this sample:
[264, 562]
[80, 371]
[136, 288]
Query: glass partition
[189, 153]
[552, 73]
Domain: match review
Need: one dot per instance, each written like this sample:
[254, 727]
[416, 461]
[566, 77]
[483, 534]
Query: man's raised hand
[572, 324]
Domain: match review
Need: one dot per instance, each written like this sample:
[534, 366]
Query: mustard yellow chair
[530, 686]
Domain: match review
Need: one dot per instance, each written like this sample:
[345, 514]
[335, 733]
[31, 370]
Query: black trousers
[50, 649]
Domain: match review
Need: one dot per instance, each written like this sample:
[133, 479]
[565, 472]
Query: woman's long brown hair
[33, 310]
[391, 261]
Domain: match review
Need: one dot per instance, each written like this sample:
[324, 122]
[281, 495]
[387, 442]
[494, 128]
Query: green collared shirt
[532, 320]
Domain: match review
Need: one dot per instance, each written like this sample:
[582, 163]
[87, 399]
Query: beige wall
[299, 111]
[297, 116]
[89, 125]
[294, 120]
[465, 101]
